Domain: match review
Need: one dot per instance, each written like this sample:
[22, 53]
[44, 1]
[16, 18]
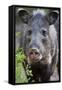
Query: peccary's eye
[44, 32]
[29, 32]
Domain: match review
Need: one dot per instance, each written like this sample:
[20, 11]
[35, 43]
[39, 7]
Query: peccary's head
[39, 38]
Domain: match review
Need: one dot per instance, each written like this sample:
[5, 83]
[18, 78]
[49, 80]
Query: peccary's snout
[34, 54]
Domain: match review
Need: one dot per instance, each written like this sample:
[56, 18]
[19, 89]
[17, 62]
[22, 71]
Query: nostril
[36, 53]
[31, 53]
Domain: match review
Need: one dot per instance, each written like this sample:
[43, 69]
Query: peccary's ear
[52, 17]
[23, 14]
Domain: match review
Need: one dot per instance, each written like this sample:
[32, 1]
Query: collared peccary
[40, 43]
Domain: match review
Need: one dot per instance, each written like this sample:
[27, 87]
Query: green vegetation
[20, 72]
[23, 70]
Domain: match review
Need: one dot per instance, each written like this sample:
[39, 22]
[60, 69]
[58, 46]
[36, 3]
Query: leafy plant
[20, 57]
[23, 70]
[20, 72]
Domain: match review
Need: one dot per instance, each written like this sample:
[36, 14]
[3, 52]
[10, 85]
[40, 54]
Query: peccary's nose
[34, 52]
